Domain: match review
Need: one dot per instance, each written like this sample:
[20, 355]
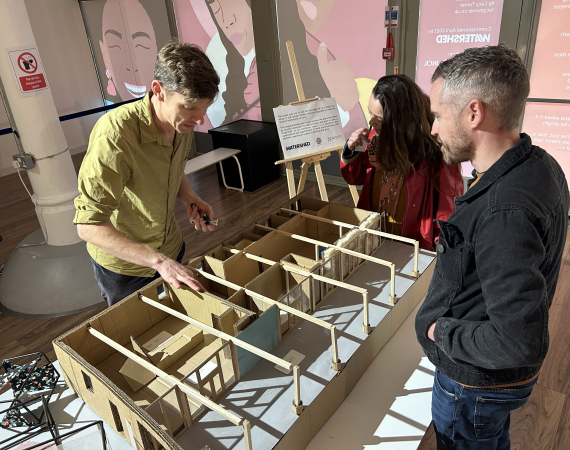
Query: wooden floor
[235, 210]
[543, 424]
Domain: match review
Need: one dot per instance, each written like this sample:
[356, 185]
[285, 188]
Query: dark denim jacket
[497, 266]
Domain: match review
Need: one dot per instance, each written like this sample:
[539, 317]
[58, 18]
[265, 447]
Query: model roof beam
[236, 420]
[366, 328]
[416, 244]
[336, 364]
[382, 262]
[289, 267]
[297, 403]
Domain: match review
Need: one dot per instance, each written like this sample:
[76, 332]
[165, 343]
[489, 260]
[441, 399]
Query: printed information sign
[547, 122]
[550, 73]
[449, 27]
[28, 70]
[548, 125]
[309, 128]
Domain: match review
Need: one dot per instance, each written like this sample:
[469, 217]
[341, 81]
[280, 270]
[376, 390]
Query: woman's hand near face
[359, 137]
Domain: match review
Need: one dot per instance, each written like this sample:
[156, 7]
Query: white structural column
[53, 179]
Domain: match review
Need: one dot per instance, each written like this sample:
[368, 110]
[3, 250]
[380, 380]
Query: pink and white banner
[449, 27]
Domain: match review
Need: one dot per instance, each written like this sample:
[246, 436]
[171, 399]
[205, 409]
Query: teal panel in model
[262, 333]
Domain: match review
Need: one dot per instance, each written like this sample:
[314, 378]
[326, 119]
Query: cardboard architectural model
[265, 356]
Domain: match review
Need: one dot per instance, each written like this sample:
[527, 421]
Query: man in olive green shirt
[134, 171]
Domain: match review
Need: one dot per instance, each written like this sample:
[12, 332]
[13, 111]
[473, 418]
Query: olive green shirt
[129, 178]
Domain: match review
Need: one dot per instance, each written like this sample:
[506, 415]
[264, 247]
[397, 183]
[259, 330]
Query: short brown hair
[495, 75]
[185, 68]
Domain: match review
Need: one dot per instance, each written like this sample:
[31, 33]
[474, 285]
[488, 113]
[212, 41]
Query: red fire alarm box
[388, 52]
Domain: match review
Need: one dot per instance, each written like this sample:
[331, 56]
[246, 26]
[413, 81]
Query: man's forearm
[110, 240]
[185, 193]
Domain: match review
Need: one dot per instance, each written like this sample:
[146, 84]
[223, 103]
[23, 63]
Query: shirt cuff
[348, 155]
[439, 333]
[90, 217]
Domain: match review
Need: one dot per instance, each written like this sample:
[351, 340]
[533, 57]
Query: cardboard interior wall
[79, 352]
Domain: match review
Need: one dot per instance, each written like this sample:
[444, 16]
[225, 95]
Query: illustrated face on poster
[333, 59]
[233, 17]
[121, 38]
[224, 30]
[126, 36]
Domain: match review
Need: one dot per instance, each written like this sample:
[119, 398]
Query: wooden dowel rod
[297, 403]
[295, 70]
[392, 266]
[284, 307]
[334, 345]
[327, 245]
[287, 308]
[416, 272]
[366, 319]
[393, 285]
[395, 237]
[351, 226]
[332, 281]
[251, 256]
[251, 348]
[169, 378]
[247, 435]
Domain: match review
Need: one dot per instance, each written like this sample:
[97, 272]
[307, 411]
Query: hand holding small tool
[200, 216]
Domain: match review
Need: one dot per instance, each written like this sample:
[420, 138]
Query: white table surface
[390, 406]
[388, 409]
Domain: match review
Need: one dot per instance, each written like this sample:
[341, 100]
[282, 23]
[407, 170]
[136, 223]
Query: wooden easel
[314, 158]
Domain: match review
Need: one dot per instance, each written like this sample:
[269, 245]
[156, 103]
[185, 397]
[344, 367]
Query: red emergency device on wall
[388, 52]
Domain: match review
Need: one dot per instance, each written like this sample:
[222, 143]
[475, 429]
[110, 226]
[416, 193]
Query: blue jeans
[115, 287]
[474, 419]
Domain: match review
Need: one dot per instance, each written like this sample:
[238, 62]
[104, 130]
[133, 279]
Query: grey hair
[185, 68]
[495, 75]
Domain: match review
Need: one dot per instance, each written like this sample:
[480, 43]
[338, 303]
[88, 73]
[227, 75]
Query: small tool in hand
[362, 147]
[204, 216]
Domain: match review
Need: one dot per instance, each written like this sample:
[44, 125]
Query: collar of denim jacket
[510, 158]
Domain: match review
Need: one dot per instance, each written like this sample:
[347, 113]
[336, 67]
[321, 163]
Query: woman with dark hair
[402, 171]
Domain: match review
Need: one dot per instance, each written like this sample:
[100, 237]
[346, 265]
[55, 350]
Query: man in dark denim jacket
[484, 323]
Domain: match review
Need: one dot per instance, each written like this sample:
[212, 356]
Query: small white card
[156, 341]
[294, 358]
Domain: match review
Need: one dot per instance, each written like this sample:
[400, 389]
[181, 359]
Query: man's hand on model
[359, 137]
[194, 215]
[176, 274]
[431, 330]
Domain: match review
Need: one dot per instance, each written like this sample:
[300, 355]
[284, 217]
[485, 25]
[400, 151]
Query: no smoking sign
[28, 70]
[27, 62]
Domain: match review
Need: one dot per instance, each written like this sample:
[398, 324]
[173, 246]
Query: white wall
[64, 49]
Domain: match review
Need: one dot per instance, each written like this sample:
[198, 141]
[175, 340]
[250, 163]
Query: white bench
[214, 157]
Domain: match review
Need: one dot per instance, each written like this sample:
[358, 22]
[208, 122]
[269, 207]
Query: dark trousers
[115, 287]
[474, 419]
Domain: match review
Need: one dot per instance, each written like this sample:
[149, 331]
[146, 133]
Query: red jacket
[419, 217]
